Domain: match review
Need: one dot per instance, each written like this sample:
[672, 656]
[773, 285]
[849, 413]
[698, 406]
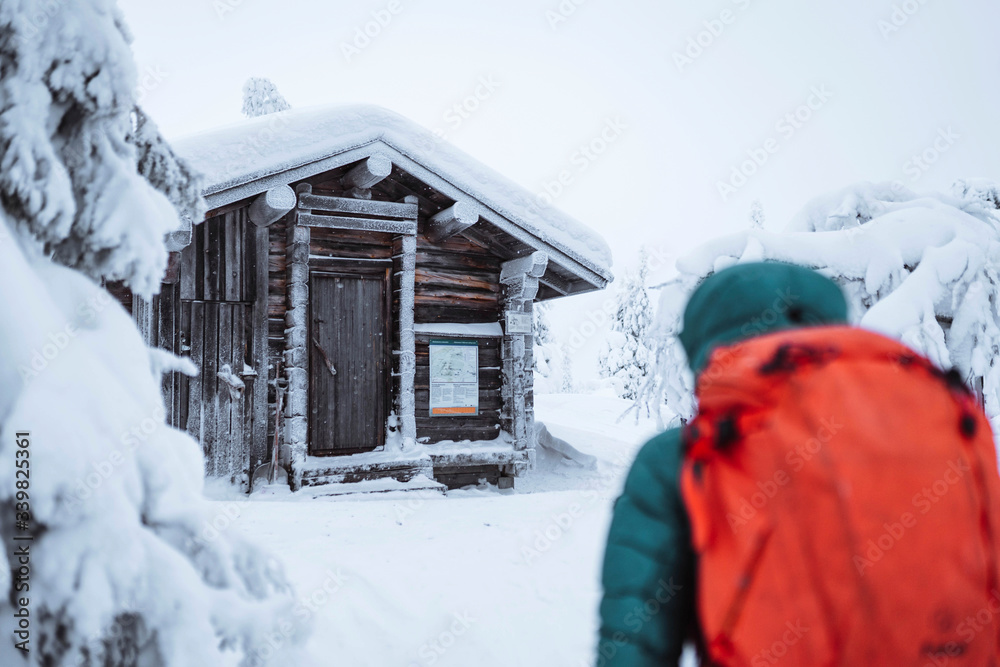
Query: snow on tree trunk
[261, 97]
[922, 269]
[127, 560]
[626, 359]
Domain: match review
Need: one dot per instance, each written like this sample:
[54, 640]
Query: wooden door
[348, 366]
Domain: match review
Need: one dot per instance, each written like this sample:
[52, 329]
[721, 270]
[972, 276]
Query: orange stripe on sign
[453, 411]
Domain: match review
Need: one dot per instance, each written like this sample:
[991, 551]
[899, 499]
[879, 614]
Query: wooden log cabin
[387, 277]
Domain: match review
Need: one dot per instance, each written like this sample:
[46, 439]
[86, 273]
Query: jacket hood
[750, 300]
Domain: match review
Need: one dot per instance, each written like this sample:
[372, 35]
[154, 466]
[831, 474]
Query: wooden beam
[367, 173]
[404, 227]
[451, 221]
[270, 206]
[532, 266]
[380, 209]
[556, 283]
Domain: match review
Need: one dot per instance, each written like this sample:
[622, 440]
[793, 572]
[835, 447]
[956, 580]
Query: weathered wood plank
[373, 225]
[240, 440]
[231, 248]
[326, 247]
[464, 312]
[472, 264]
[369, 207]
[259, 441]
[225, 444]
[189, 266]
[196, 394]
[184, 350]
[429, 279]
[213, 258]
[354, 236]
[210, 387]
[167, 340]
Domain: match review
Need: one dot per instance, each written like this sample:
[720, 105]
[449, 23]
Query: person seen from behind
[835, 501]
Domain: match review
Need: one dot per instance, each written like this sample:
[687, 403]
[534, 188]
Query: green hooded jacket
[648, 607]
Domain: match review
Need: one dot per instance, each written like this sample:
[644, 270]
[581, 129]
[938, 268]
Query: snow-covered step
[318, 471]
[384, 485]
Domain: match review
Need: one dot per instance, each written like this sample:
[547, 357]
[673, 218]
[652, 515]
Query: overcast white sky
[556, 84]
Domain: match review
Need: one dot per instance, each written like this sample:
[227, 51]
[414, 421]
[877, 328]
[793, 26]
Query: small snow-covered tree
[261, 97]
[626, 358]
[756, 215]
[128, 565]
[923, 269]
[546, 351]
[566, 385]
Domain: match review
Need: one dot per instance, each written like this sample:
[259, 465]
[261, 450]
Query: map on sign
[454, 377]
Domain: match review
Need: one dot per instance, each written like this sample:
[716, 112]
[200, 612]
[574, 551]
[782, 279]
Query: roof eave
[219, 195]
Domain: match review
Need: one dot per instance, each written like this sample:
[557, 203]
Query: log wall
[457, 281]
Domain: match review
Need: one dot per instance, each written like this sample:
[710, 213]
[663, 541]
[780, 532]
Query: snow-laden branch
[919, 268]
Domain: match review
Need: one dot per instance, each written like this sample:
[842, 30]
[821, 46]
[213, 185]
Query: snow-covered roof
[242, 159]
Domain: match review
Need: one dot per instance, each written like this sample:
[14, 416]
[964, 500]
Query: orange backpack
[845, 506]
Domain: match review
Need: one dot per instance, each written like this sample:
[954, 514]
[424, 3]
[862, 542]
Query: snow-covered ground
[479, 577]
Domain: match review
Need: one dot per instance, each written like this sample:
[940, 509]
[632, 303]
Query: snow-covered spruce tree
[566, 384]
[547, 352]
[626, 358]
[923, 269]
[124, 565]
[261, 97]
